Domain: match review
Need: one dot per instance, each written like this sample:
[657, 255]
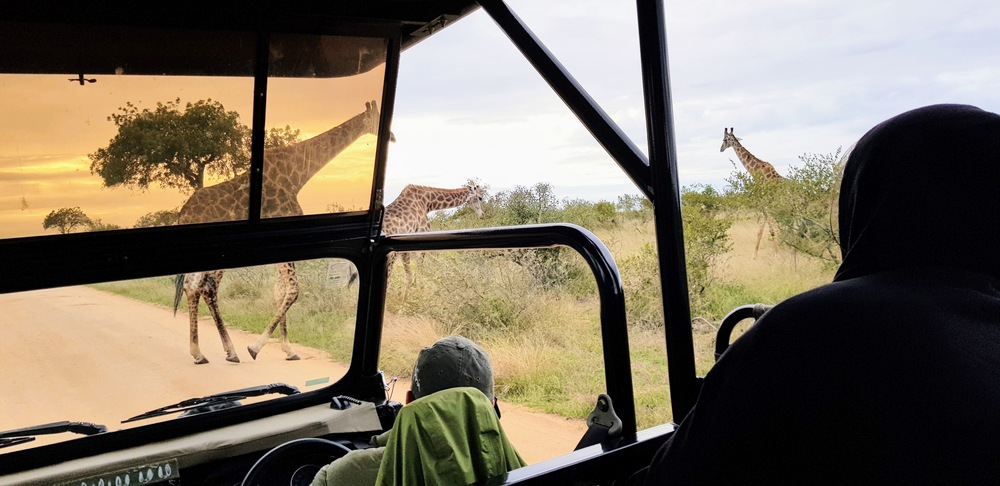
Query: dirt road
[79, 354]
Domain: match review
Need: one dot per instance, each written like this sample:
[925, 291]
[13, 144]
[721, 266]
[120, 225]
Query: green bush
[706, 239]
[802, 207]
[806, 211]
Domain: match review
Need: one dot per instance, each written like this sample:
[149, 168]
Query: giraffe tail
[178, 290]
[353, 278]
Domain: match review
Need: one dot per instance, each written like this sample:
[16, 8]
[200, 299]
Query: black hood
[922, 189]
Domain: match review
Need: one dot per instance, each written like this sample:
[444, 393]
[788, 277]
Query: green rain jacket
[452, 437]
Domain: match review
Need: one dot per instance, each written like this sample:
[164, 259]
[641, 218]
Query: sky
[791, 77]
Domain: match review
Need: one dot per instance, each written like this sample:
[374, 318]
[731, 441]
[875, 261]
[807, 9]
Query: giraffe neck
[445, 198]
[753, 165]
[293, 166]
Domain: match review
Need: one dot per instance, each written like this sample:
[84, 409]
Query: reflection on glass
[123, 134]
[108, 352]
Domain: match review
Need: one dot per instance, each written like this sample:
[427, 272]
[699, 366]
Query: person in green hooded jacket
[449, 432]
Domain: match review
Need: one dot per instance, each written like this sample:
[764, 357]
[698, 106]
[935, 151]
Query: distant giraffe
[759, 170]
[408, 213]
[286, 171]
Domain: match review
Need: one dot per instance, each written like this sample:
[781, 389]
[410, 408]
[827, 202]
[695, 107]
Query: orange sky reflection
[52, 124]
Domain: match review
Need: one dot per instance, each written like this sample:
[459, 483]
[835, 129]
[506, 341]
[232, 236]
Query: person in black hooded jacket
[891, 373]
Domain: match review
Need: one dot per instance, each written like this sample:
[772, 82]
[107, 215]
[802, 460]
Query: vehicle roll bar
[737, 315]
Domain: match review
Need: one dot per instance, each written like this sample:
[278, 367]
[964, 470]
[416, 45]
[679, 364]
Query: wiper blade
[13, 441]
[14, 437]
[217, 399]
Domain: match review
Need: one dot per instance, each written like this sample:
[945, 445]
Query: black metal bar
[614, 330]
[384, 132]
[257, 132]
[604, 129]
[667, 210]
[368, 344]
[84, 258]
[371, 295]
[737, 315]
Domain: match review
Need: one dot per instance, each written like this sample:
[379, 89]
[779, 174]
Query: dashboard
[221, 456]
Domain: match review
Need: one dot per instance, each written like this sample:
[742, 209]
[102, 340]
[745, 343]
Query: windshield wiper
[14, 437]
[217, 401]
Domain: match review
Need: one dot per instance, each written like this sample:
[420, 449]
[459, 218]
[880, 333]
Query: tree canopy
[66, 220]
[164, 217]
[172, 145]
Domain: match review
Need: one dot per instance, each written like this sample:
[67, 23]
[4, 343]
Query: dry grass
[402, 339]
[773, 268]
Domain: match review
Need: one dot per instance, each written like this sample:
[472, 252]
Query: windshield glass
[108, 352]
[124, 132]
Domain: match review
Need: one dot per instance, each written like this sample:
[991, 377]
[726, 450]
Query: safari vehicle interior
[71, 65]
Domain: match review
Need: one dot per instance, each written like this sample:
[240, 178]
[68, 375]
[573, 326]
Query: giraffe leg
[774, 235]
[418, 259]
[760, 234]
[211, 296]
[192, 297]
[409, 274]
[290, 355]
[388, 265]
[286, 292]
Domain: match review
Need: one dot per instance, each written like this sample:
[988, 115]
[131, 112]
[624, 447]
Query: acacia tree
[164, 217]
[802, 206]
[66, 219]
[176, 147]
[806, 211]
[172, 146]
[100, 225]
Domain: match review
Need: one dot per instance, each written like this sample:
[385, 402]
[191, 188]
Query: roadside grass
[536, 314]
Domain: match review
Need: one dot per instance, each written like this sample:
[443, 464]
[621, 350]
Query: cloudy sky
[791, 77]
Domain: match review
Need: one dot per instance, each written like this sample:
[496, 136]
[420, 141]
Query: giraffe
[286, 171]
[408, 212]
[759, 170]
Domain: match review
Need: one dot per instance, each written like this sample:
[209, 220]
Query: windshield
[106, 353]
[109, 129]
[108, 139]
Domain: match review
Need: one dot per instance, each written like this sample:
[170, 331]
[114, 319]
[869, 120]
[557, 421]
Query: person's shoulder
[834, 314]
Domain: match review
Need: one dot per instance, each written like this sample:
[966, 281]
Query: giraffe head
[475, 198]
[371, 120]
[371, 116]
[728, 139]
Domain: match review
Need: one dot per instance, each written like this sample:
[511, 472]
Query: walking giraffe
[286, 171]
[759, 170]
[408, 213]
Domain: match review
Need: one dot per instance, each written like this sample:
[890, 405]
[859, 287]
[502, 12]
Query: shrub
[706, 240]
[803, 207]
[806, 211]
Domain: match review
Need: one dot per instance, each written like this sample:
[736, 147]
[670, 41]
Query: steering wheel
[294, 463]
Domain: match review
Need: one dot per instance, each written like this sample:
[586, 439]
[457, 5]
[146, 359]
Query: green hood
[452, 437]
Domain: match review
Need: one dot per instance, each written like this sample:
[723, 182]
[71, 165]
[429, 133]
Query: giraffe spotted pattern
[286, 172]
[759, 170]
[408, 213]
